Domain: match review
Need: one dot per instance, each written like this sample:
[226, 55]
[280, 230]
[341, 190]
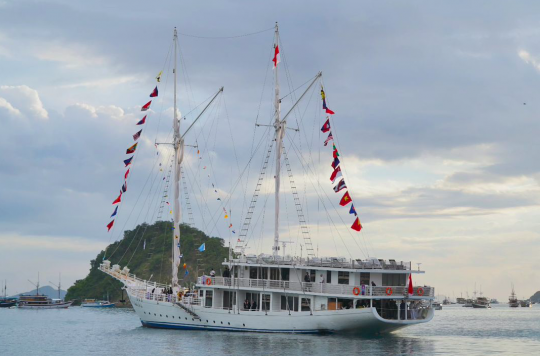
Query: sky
[436, 122]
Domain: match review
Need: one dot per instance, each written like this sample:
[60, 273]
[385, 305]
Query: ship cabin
[263, 284]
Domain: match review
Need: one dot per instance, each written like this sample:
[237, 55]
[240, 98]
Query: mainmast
[178, 145]
[280, 131]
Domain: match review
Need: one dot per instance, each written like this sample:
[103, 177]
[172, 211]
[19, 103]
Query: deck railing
[328, 262]
[322, 288]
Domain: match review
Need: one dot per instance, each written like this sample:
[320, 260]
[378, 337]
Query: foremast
[279, 126]
[178, 145]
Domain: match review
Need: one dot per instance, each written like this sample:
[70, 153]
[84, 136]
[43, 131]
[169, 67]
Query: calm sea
[80, 331]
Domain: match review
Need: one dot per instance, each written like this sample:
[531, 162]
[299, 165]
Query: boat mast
[178, 145]
[280, 131]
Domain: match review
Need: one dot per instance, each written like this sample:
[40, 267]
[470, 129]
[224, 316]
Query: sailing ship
[277, 292]
[513, 302]
[6, 302]
[37, 301]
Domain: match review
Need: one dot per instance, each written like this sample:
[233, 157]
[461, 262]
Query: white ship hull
[159, 314]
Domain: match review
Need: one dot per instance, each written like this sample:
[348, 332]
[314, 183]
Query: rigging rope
[227, 37]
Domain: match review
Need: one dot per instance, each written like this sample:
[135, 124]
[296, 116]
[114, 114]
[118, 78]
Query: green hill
[536, 297]
[155, 260]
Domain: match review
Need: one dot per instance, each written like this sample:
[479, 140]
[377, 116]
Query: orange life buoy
[420, 291]
[389, 291]
[208, 281]
[356, 291]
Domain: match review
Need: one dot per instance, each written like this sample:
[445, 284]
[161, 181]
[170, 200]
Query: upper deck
[325, 263]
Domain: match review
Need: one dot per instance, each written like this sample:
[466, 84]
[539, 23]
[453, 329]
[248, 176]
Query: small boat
[461, 300]
[494, 301]
[481, 303]
[6, 302]
[468, 303]
[93, 303]
[446, 301]
[436, 305]
[513, 302]
[525, 304]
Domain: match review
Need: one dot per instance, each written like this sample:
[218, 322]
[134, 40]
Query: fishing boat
[277, 292]
[513, 302]
[94, 303]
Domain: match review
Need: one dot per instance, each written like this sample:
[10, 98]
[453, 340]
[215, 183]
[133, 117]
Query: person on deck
[254, 305]
[212, 273]
[227, 273]
[307, 279]
[247, 306]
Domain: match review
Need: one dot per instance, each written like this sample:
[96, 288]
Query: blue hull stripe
[225, 328]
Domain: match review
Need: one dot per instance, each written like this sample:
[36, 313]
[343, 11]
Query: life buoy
[208, 281]
[389, 291]
[356, 291]
[420, 291]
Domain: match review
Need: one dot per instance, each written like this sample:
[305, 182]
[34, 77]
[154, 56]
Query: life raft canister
[208, 281]
[420, 291]
[389, 291]
[356, 291]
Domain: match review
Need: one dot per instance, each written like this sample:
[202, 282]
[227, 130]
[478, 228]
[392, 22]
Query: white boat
[276, 292]
[481, 303]
[436, 305]
[94, 303]
[41, 302]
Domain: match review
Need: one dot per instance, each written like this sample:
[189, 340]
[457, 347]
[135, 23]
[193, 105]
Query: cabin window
[343, 277]
[393, 279]
[208, 299]
[265, 302]
[306, 304]
[312, 275]
[253, 299]
[253, 272]
[328, 276]
[289, 303]
[229, 299]
[285, 274]
[364, 278]
[274, 274]
[263, 273]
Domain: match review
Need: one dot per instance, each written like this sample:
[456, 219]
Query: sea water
[85, 331]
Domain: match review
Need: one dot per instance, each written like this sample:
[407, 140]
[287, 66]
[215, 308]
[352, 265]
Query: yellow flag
[226, 216]
[158, 78]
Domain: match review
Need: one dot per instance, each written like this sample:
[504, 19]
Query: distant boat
[512, 300]
[481, 303]
[446, 301]
[461, 300]
[494, 301]
[92, 303]
[525, 304]
[6, 302]
[41, 302]
[436, 305]
[468, 303]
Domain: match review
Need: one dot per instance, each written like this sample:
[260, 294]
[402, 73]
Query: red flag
[118, 200]
[346, 199]
[110, 225]
[410, 284]
[127, 174]
[154, 93]
[143, 120]
[137, 135]
[329, 112]
[146, 106]
[326, 127]
[356, 225]
[341, 185]
[335, 174]
[277, 57]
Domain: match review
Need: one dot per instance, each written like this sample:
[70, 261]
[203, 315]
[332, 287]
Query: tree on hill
[536, 297]
[147, 252]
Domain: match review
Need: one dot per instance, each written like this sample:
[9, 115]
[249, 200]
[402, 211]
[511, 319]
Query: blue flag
[115, 211]
[202, 248]
[353, 210]
[187, 272]
[127, 162]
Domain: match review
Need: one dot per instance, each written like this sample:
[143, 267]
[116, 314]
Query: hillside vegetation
[155, 260]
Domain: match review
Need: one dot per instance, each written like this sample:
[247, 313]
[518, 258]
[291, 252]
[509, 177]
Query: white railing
[310, 287]
[130, 279]
[329, 262]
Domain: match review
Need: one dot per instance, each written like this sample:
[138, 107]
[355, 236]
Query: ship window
[393, 279]
[285, 274]
[312, 275]
[229, 299]
[328, 276]
[263, 273]
[253, 298]
[208, 300]
[274, 274]
[265, 304]
[364, 278]
[253, 272]
[306, 304]
[289, 303]
[343, 277]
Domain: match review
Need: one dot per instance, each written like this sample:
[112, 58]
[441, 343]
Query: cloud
[24, 242]
[529, 59]
[23, 100]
